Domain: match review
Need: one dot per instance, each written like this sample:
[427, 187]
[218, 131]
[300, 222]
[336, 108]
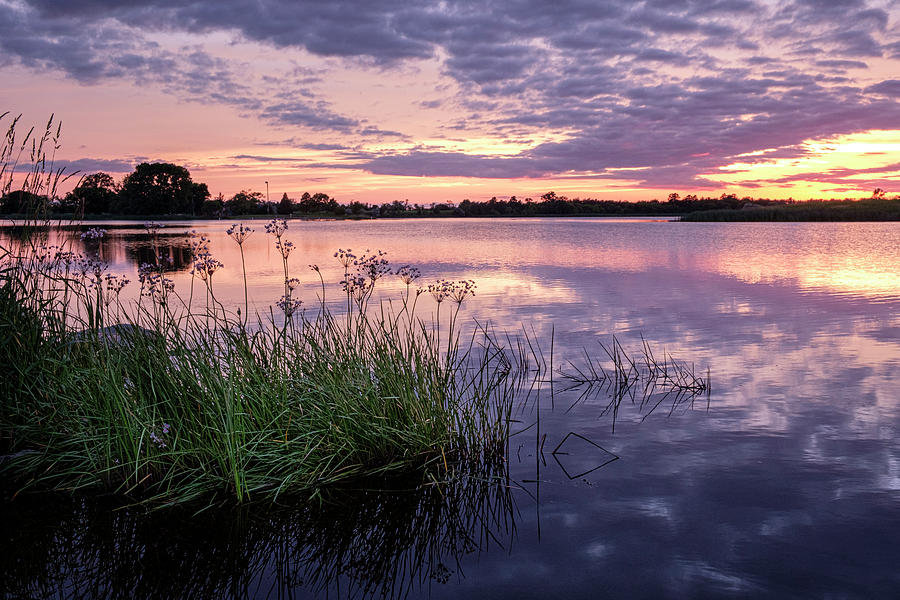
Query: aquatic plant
[164, 402]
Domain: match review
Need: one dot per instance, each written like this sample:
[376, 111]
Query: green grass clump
[174, 404]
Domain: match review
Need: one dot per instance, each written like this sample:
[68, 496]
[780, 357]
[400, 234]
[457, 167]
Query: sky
[382, 100]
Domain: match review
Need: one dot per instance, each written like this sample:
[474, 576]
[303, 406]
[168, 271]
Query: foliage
[244, 203]
[286, 205]
[94, 195]
[158, 189]
[168, 402]
[316, 203]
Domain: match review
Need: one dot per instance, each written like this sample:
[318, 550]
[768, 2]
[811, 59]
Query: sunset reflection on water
[799, 325]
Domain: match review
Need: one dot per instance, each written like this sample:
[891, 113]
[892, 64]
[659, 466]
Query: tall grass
[866, 209]
[176, 398]
[168, 403]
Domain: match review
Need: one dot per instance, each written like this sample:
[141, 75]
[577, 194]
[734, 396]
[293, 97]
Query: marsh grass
[175, 398]
[644, 379]
[172, 405]
[865, 209]
[165, 402]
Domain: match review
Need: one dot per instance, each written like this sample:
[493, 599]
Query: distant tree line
[167, 189]
[552, 204]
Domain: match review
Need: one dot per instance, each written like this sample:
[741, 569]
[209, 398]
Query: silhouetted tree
[214, 207]
[22, 202]
[244, 203]
[157, 188]
[199, 195]
[94, 195]
[317, 202]
[286, 206]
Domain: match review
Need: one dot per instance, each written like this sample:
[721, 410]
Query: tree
[22, 202]
[199, 195]
[286, 206]
[214, 207]
[879, 194]
[158, 188]
[244, 203]
[94, 195]
[318, 202]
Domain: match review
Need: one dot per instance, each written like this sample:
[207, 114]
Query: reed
[174, 398]
[168, 403]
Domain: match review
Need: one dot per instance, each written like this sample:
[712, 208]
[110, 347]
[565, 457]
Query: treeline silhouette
[165, 189]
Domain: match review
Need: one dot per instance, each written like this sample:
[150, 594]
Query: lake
[783, 482]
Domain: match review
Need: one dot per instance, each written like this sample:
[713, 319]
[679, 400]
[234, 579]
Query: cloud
[258, 158]
[86, 166]
[888, 87]
[842, 64]
[640, 88]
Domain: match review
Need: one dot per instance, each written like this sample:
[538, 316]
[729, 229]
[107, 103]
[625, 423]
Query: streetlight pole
[267, 192]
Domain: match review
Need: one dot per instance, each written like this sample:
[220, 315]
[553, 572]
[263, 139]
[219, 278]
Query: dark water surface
[787, 485]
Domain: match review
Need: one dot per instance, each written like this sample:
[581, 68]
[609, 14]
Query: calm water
[788, 485]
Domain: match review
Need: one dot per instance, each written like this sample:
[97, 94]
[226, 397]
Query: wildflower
[158, 440]
[292, 283]
[407, 274]
[374, 266]
[153, 284]
[114, 286]
[65, 258]
[288, 305]
[285, 248]
[345, 257]
[92, 268]
[357, 287]
[440, 290]
[205, 266]
[460, 290]
[276, 227]
[94, 233]
[199, 243]
[165, 259]
[239, 233]
[152, 228]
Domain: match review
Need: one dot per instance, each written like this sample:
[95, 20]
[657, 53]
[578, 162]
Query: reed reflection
[355, 543]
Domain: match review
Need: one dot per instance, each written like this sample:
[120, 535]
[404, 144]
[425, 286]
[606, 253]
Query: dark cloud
[889, 87]
[87, 166]
[635, 87]
[323, 147]
[305, 114]
[258, 158]
[842, 64]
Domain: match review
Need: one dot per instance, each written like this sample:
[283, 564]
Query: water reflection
[786, 487]
[357, 544]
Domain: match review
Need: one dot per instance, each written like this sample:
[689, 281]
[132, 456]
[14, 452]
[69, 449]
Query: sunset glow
[431, 102]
